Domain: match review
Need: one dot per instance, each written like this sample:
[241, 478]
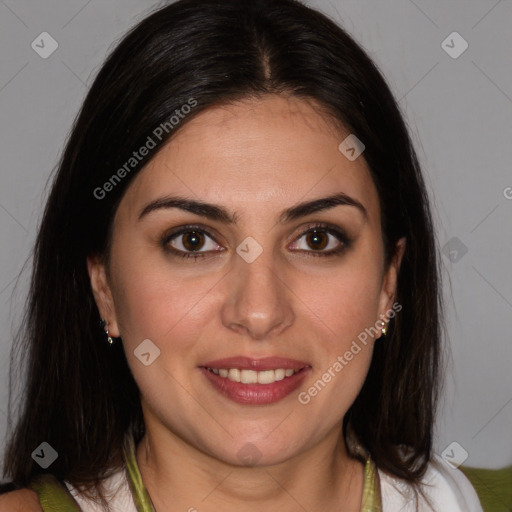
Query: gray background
[460, 115]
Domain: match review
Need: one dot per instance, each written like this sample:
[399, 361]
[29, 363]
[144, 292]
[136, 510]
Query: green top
[54, 496]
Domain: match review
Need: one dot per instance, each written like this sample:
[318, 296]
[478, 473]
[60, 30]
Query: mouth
[255, 381]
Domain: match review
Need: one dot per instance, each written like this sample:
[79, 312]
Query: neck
[180, 477]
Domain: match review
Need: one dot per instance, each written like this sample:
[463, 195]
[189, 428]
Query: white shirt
[447, 488]
[117, 486]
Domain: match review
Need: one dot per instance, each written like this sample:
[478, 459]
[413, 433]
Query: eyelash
[321, 226]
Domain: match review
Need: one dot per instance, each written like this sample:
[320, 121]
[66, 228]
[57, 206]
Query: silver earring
[103, 323]
[383, 329]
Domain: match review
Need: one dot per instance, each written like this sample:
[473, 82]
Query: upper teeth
[253, 377]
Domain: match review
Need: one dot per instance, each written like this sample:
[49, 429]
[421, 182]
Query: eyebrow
[219, 213]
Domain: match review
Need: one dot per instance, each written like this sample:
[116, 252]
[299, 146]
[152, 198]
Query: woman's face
[246, 278]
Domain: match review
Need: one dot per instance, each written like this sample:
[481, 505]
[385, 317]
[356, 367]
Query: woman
[236, 299]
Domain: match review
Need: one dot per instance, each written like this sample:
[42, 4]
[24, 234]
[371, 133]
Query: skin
[22, 500]
[256, 158]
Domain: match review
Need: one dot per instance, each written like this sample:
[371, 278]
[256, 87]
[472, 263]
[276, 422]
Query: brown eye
[192, 240]
[317, 240]
[322, 240]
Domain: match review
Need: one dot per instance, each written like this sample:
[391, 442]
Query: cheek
[345, 310]
[158, 302]
[347, 300]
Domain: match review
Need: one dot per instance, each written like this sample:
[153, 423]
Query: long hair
[79, 394]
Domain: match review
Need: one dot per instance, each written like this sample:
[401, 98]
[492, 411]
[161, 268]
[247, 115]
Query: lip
[256, 394]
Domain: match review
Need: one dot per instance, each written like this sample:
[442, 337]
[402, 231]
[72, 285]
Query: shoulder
[22, 500]
[446, 488]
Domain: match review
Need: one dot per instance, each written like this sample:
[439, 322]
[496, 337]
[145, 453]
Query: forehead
[273, 150]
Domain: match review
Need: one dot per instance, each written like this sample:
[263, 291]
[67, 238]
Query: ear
[390, 279]
[102, 293]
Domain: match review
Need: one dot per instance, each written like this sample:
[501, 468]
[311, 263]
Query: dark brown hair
[79, 394]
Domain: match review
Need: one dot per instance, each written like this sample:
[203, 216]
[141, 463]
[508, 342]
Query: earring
[383, 329]
[103, 323]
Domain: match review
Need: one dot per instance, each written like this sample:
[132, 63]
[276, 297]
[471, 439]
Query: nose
[258, 300]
